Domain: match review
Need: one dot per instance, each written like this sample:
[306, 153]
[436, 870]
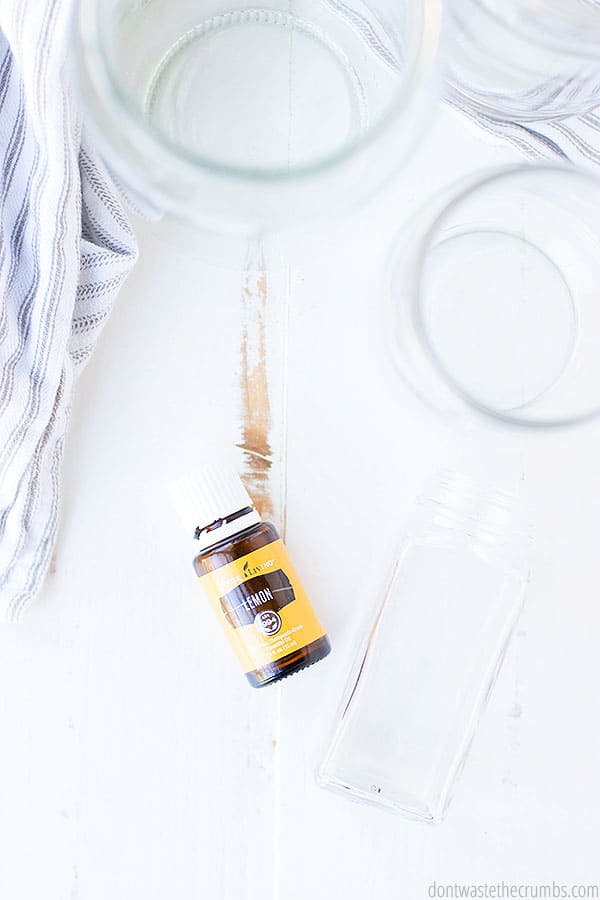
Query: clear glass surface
[525, 60]
[243, 117]
[420, 682]
[494, 304]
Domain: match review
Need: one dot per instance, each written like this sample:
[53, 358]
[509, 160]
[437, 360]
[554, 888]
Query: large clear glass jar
[240, 117]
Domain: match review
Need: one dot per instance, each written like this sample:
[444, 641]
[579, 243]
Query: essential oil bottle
[247, 575]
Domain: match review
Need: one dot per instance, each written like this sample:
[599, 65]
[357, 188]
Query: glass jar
[493, 302]
[242, 118]
[524, 60]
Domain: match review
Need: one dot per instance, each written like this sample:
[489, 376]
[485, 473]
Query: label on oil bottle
[262, 606]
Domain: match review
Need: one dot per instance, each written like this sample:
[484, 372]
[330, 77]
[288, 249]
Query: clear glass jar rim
[106, 81]
[428, 241]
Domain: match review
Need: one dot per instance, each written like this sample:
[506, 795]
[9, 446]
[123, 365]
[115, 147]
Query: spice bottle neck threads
[457, 501]
[489, 519]
[213, 504]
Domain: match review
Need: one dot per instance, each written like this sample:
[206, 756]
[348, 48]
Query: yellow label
[262, 606]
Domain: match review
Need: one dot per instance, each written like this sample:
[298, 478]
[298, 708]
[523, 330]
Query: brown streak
[256, 408]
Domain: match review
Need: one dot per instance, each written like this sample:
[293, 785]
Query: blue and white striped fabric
[575, 140]
[65, 249]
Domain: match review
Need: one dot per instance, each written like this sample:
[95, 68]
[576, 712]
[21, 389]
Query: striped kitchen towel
[65, 249]
[575, 139]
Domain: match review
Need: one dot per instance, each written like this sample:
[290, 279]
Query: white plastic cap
[210, 493]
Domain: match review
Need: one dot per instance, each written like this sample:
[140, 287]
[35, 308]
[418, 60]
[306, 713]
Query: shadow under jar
[245, 117]
[524, 60]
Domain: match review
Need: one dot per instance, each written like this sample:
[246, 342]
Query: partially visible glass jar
[524, 60]
[243, 118]
[421, 679]
[492, 298]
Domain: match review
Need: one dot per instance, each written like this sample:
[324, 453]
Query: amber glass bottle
[247, 575]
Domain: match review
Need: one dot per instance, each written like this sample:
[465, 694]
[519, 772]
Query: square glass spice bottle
[248, 577]
[433, 651]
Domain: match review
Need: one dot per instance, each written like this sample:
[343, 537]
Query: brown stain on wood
[254, 389]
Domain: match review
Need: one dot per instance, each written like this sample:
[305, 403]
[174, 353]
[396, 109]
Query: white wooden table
[135, 761]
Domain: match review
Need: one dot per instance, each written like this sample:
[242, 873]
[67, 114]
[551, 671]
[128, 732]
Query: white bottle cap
[211, 493]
